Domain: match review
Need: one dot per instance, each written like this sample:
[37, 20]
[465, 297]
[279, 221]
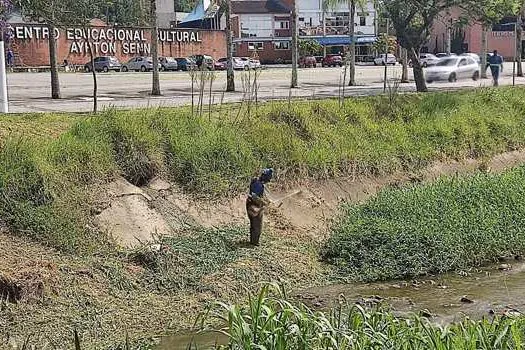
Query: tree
[230, 77]
[81, 12]
[54, 14]
[352, 5]
[384, 41]
[155, 88]
[308, 47]
[295, 46]
[413, 21]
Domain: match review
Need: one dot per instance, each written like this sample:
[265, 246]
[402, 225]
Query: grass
[215, 156]
[269, 320]
[451, 224]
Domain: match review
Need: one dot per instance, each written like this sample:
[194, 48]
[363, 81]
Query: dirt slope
[135, 214]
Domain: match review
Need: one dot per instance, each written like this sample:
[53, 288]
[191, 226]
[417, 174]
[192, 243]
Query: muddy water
[450, 297]
[447, 298]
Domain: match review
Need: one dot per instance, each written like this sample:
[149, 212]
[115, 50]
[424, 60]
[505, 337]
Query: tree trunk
[519, 31]
[351, 25]
[419, 77]
[448, 43]
[94, 74]
[404, 58]
[295, 48]
[230, 77]
[483, 67]
[155, 89]
[55, 83]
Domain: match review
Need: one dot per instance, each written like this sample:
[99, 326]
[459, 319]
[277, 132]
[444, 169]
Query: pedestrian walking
[256, 203]
[496, 66]
[10, 57]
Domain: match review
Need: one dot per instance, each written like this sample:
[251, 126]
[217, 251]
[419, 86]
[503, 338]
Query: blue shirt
[495, 60]
[257, 187]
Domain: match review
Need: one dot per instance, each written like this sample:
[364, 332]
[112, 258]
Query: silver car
[142, 64]
[453, 68]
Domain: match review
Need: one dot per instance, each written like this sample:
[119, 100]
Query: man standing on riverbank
[496, 65]
[255, 204]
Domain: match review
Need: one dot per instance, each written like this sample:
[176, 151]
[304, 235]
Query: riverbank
[79, 194]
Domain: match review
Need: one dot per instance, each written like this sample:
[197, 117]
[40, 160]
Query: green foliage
[383, 41]
[451, 224]
[308, 47]
[271, 321]
[212, 157]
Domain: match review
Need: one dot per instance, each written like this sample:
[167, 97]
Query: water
[490, 290]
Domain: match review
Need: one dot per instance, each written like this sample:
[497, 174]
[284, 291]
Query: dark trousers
[255, 214]
[494, 70]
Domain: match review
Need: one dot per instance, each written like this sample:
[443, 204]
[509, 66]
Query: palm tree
[352, 5]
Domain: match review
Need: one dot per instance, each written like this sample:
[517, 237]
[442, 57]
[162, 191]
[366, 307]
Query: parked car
[141, 63]
[453, 68]
[444, 54]
[332, 61]
[428, 59]
[104, 64]
[185, 63]
[221, 64]
[203, 61]
[168, 64]
[307, 62]
[381, 60]
[473, 55]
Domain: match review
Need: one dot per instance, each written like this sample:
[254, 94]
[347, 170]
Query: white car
[136, 64]
[380, 60]
[473, 55]
[452, 69]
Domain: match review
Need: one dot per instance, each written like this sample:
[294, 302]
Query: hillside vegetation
[48, 178]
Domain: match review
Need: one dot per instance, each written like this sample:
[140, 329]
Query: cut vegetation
[54, 181]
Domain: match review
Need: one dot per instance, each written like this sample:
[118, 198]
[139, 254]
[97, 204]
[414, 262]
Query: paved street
[29, 92]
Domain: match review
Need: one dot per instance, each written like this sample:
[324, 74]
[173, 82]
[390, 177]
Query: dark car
[104, 64]
[168, 64]
[307, 62]
[203, 61]
[184, 64]
[332, 61]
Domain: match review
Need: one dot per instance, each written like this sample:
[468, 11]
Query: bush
[451, 224]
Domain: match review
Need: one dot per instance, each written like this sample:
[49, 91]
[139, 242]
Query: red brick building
[30, 44]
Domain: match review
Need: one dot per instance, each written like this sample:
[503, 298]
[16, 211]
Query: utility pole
[515, 58]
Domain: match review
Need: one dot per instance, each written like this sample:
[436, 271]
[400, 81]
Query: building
[30, 43]
[500, 37]
[262, 27]
[330, 27]
[165, 13]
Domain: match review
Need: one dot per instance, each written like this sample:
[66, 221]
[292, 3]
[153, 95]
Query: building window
[256, 46]
[284, 25]
[362, 21]
[301, 19]
[281, 45]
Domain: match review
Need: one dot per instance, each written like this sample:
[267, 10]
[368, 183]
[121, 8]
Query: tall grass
[450, 224]
[216, 156]
[271, 321]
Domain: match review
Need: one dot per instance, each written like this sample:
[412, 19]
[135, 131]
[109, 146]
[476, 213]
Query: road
[29, 92]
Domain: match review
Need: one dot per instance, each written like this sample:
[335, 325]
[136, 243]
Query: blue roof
[343, 40]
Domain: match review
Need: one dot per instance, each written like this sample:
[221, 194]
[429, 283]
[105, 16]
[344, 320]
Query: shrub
[450, 224]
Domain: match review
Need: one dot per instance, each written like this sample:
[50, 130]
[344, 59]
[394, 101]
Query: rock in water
[466, 300]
